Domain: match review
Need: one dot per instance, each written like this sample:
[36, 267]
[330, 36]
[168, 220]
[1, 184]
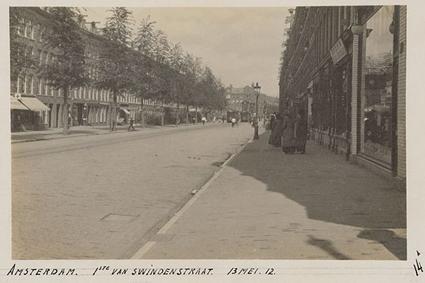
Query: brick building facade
[89, 105]
[242, 99]
[345, 66]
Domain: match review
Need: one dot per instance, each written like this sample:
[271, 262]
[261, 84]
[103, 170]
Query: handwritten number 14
[418, 266]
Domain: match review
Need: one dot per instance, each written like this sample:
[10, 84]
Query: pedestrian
[288, 140]
[300, 132]
[233, 121]
[203, 119]
[131, 126]
[276, 131]
[272, 119]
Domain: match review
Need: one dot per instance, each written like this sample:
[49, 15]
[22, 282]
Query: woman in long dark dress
[300, 132]
[277, 131]
[272, 128]
[288, 139]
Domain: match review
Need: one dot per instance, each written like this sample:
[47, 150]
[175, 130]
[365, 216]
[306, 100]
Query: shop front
[27, 113]
[377, 84]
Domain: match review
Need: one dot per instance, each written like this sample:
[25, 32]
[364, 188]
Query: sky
[240, 45]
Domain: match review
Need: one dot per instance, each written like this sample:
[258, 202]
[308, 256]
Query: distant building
[243, 100]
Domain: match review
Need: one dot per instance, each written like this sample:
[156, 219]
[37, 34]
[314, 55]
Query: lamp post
[256, 88]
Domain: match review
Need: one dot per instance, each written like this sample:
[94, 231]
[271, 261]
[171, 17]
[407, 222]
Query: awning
[125, 111]
[16, 105]
[33, 104]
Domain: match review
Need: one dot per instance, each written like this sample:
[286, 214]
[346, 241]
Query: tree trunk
[178, 114]
[187, 114]
[65, 112]
[142, 112]
[162, 113]
[196, 114]
[113, 118]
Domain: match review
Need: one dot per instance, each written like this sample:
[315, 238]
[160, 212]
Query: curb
[107, 132]
[195, 194]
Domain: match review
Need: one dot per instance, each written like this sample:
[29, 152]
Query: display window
[377, 76]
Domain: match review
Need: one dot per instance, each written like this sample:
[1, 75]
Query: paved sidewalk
[268, 205]
[77, 131]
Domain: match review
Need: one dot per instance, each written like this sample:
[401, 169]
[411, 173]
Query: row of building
[345, 66]
[37, 105]
[243, 99]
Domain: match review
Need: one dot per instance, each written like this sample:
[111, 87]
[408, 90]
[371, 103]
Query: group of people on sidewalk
[289, 131]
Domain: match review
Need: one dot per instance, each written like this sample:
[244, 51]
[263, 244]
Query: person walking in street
[233, 121]
[300, 132]
[288, 139]
[131, 126]
[203, 119]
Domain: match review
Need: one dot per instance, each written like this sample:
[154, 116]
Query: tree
[117, 27]
[176, 64]
[192, 70]
[161, 48]
[145, 38]
[212, 93]
[66, 70]
[115, 65]
[143, 79]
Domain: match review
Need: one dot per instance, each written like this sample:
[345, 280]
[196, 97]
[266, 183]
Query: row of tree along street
[143, 63]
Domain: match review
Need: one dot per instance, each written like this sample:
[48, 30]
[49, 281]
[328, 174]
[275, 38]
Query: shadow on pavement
[396, 245]
[329, 188]
[326, 246]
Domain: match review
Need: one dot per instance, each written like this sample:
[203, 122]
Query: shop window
[377, 81]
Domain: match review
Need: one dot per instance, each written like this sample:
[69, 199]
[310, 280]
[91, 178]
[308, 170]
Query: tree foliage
[115, 65]
[66, 68]
[21, 58]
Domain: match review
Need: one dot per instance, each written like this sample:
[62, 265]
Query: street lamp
[256, 88]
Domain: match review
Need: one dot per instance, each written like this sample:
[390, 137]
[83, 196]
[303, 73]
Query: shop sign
[338, 51]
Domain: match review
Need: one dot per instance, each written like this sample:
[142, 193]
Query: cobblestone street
[103, 196]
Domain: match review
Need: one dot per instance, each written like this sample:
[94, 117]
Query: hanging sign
[338, 51]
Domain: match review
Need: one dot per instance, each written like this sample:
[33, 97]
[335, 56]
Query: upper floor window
[28, 29]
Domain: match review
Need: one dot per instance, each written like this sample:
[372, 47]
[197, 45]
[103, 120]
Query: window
[42, 33]
[28, 29]
[28, 84]
[36, 86]
[21, 27]
[49, 89]
[377, 76]
[43, 87]
[21, 84]
[47, 57]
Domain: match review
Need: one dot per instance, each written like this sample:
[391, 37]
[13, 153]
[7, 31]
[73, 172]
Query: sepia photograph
[208, 133]
[211, 141]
